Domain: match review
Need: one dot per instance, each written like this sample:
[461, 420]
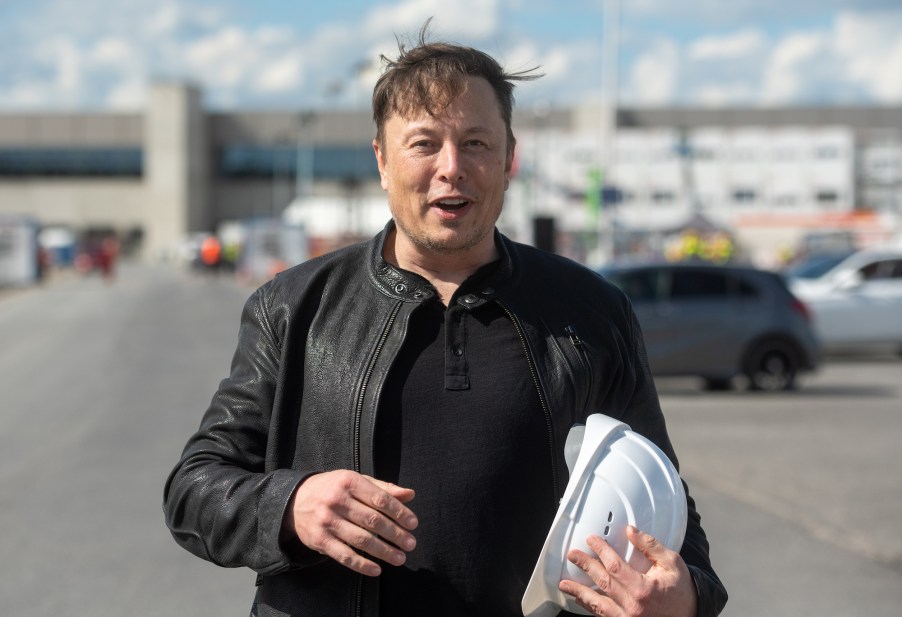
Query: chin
[455, 243]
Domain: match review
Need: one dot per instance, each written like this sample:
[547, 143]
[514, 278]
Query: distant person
[390, 439]
[106, 254]
[210, 253]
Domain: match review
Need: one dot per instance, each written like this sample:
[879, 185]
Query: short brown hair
[431, 75]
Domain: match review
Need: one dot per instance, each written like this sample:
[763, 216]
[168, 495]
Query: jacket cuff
[288, 552]
[712, 595]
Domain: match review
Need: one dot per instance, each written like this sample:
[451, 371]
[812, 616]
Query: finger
[342, 553]
[404, 495]
[328, 516]
[594, 568]
[615, 574]
[373, 494]
[589, 599]
[648, 545]
[380, 526]
[366, 543]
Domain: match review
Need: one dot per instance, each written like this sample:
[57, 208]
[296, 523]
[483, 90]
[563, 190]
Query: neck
[444, 271]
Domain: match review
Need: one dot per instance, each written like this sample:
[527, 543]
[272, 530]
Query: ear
[508, 167]
[380, 161]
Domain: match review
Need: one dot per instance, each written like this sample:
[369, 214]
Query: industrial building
[154, 178]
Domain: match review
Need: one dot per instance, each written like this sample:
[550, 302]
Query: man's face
[445, 176]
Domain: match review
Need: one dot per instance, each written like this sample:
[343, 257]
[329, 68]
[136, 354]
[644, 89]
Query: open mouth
[451, 205]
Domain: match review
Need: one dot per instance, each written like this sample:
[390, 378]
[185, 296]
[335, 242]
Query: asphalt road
[101, 384]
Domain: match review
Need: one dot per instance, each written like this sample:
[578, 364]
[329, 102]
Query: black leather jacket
[315, 346]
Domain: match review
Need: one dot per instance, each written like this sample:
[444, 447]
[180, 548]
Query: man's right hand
[342, 514]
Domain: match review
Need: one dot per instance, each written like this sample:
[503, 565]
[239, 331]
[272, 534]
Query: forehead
[475, 105]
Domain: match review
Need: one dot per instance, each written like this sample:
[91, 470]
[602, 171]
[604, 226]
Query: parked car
[720, 322]
[858, 302]
[815, 265]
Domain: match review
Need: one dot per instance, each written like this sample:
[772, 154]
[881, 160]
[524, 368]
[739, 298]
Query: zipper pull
[574, 337]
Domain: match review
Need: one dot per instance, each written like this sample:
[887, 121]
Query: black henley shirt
[461, 423]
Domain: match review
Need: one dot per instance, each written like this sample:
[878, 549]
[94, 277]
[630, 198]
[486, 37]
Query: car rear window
[639, 285]
[698, 284]
[711, 285]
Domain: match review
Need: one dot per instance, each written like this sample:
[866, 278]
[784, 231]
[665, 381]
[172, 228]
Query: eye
[422, 144]
[475, 143]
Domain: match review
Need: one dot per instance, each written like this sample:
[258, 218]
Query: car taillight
[801, 308]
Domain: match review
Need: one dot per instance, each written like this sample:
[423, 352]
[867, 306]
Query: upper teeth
[453, 202]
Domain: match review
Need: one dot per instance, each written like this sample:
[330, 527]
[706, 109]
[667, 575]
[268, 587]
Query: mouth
[451, 205]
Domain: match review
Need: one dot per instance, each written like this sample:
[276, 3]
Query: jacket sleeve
[219, 502]
[644, 415]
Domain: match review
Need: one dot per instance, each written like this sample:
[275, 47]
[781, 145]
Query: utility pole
[304, 160]
[610, 51]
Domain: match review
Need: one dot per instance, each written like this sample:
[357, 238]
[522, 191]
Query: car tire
[772, 366]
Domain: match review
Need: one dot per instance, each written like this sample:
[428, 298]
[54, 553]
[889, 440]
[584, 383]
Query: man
[390, 439]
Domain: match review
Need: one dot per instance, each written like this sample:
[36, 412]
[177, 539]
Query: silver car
[720, 322]
[857, 303]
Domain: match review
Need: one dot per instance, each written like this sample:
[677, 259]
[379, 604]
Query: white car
[858, 302]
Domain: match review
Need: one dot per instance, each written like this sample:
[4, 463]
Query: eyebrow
[423, 128]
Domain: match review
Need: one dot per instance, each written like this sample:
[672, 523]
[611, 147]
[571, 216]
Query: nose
[450, 164]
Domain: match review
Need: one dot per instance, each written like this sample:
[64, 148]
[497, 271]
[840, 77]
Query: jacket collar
[410, 287]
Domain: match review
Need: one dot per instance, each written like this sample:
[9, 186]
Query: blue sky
[271, 54]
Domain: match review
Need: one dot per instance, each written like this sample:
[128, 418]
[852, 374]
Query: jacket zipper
[542, 399]
[581, 353]
[358, 412]
[358, 415]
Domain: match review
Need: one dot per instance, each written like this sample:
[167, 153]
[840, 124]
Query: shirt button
[400, 288]
[469, 299]
[457, 351]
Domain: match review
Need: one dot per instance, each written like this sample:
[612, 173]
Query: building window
[744, 196]
[71, 162]
[827, 197]
[827, 153]
[328, 163]
[663, 197]
[785, 200]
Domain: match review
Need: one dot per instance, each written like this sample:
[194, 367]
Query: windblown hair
[429, 76]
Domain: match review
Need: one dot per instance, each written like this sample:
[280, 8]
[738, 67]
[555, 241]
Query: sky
[289, 54]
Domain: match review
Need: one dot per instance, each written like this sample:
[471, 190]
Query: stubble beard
[427, 242]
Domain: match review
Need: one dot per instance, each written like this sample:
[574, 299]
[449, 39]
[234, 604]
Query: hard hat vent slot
[607, 528]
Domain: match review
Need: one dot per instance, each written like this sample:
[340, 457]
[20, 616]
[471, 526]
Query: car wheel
[772, 366]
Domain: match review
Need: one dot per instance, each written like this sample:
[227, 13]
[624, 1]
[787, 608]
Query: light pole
[604, 220]
[304, 161]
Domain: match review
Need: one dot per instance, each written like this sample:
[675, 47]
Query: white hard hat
[617, 478]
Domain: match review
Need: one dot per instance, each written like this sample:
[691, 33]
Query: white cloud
[281, 75]
[112, 51]
[472, 18]
[791, 65]
[724, 93]
[130, 93]
[165, 20]
[69, 69]
[224, 58]
[103, 52]
[739, 44]
[653, 77]
[869, 49]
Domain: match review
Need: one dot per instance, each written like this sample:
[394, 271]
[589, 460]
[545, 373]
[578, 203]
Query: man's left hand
[666, 590]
